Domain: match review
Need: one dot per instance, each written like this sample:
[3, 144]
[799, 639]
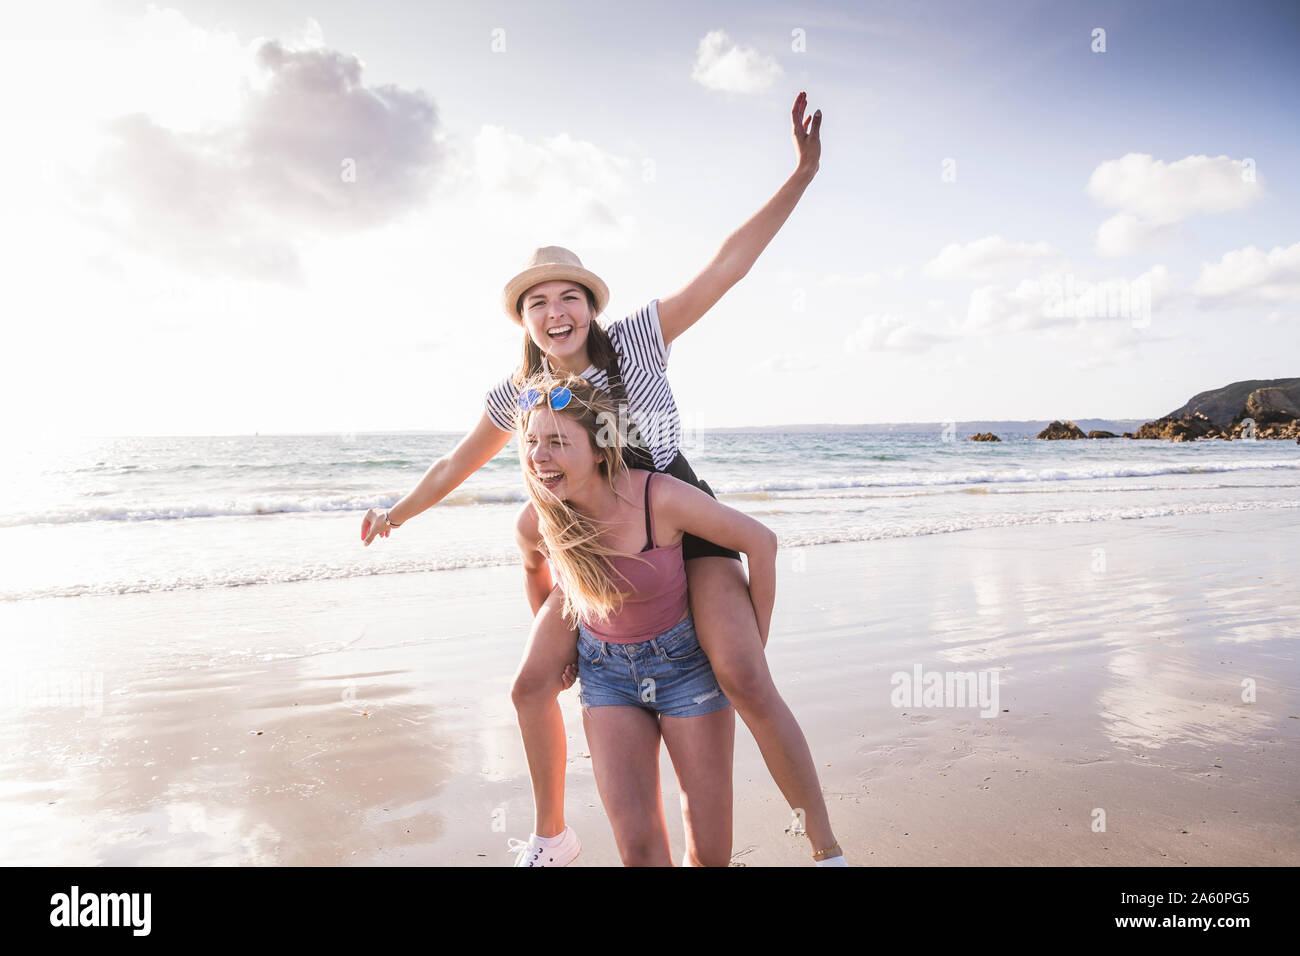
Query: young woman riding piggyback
[556, 301]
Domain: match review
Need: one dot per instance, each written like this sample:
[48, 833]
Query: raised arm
[689, 509]
[679, 311]
[443, 477]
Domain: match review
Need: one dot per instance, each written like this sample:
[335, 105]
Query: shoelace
[516, 846]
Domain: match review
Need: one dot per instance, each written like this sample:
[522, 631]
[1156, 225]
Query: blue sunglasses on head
[558, 395]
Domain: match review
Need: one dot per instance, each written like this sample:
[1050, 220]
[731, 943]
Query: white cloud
[237, 196]
[723, 65]
[1169, 192]
[1160, 280]
[1251, 276]
[1125, 234]
[982, 259]
[239, 191]
[890, 333]
[1152, 195]
[993, 308]
[1059, 298]
[562, 184]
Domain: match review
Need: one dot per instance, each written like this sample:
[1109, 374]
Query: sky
[296, 217]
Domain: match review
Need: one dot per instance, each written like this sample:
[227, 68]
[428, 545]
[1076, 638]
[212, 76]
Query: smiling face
[559, 455]
[552, 307]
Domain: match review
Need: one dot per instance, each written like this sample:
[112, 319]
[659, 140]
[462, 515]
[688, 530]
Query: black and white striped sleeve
[500, 404]
[642, 339]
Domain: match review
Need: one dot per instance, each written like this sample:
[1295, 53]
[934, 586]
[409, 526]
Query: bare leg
[552, 645]
[728, 632]
[624, 745]
[702, 749]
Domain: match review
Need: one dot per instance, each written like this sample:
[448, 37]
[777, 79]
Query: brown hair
[572, 539]
[600, 349]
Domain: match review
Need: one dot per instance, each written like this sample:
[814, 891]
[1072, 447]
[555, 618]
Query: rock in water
[1187, 428]
[1270, 412]
[1270, 406]
[984, 436]
[1060, 430]
[1274, 430]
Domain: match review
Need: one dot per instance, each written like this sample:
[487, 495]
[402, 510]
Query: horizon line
[715, 428]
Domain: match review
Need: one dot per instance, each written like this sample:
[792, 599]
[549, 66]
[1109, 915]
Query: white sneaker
[554, 851]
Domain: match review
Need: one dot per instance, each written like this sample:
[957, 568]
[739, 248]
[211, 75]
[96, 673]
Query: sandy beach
[367, 721]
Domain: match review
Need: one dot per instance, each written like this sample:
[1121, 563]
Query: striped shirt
[643, 362]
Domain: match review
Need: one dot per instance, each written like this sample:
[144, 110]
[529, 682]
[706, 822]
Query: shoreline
[387, 735]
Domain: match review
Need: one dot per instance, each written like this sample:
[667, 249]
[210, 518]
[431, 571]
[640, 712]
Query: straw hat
[544, 265]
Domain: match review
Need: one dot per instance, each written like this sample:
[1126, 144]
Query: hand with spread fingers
[807, 134]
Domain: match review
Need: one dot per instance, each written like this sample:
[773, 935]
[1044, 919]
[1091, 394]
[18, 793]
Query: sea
[105, 516]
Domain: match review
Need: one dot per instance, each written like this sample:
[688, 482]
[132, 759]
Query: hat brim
[547, 273]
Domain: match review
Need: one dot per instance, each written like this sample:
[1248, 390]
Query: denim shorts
[669, 674]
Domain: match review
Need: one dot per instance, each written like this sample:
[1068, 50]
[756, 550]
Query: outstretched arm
[444, 476]
[691, 510]
[679, 311]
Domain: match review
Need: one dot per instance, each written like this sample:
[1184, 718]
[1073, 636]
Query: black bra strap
[649, 533]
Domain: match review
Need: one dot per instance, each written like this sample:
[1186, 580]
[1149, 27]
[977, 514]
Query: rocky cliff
[1222, 406]
[1269, 409]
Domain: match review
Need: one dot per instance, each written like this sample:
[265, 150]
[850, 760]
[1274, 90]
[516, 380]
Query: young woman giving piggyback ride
[556, 301]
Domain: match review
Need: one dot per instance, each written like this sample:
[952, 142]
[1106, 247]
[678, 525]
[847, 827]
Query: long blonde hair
[572, 539]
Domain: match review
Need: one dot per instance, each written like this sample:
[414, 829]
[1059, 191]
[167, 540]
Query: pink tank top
[657, 600]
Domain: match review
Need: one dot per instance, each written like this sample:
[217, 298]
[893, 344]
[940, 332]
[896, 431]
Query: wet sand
[368, 721]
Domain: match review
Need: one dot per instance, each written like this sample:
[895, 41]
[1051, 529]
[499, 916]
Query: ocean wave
[978, 522]
[760, 489]
[1012, 490]
[286, 575]
[252, 507]
[289, 467]
[774, 489]
[509, 558]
